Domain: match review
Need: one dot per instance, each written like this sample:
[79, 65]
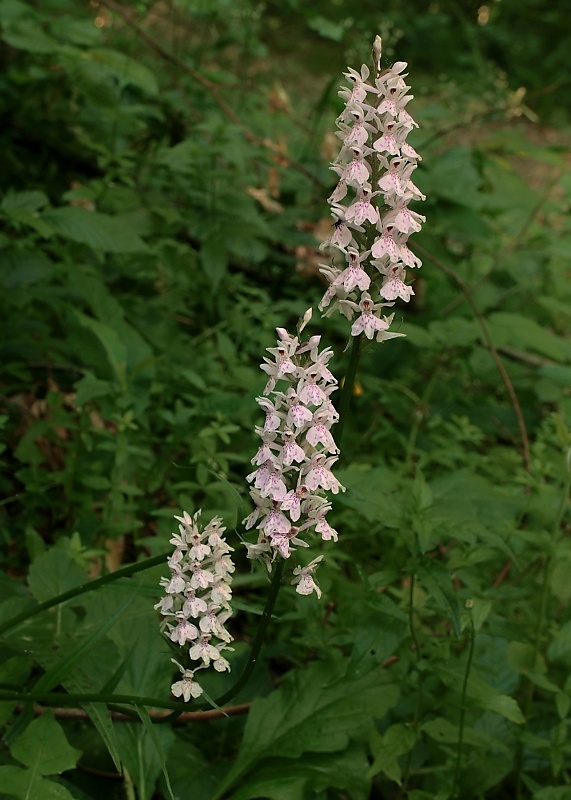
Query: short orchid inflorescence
[294, 461]
[375, 161]
[197, 598]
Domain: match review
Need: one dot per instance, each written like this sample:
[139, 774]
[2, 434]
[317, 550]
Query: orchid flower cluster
[294, 461]
[197, 598]
[375, 160]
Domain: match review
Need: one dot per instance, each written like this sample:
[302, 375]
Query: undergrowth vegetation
[165, 175]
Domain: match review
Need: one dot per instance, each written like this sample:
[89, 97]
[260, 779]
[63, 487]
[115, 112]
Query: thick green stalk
[348, 384]
[471, 638]
[260, 635]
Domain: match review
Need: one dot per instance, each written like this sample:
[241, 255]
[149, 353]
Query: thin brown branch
[491, 347]
[154, 713]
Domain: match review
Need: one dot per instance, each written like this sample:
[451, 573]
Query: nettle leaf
[521, 331]
[313, 712]
[482, 693]
[125, 69]
[24, 35]
[445, 732]
[26, 784]
[438, 581]
[44, 748]
[282, 779]
[94, 229]
[386, 749]
[53, 573]
[114, 346]
[24, 201]
[214, 258]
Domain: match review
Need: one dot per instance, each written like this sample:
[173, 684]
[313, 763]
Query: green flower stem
[348, 384]
[88, 586]
[260, 635]
[72, 699]
[471, 638]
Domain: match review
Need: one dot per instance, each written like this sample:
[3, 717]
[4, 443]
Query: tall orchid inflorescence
[375, 161]
[294, 460]
[197, 598]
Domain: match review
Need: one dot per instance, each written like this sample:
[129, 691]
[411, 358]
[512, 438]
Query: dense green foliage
[165, 169]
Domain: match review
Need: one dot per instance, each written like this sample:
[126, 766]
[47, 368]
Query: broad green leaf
[114, 347]
[307, 776]
[316, 711]
[386, 749]
[522, 332]
[44, 748]
[53, 573]
[59, 671]
[214, 258]
[94, 229]
[124, 68]
[192, 775]
[482, 693]
[445, 732]
[26, 784]
[437, 579]
[23, 201]
[28, 36]
[13, 673]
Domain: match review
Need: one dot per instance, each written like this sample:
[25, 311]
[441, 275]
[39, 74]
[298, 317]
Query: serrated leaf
[53, 573]
[397, 740]
[24, 201]
[438, 581]
[124, 68]
[24, 35]
[58, 672]
[286, 779]
[114, 347]
[25, 784]
[313, 712]
[44, 748]
[214, 258]
[94, 229]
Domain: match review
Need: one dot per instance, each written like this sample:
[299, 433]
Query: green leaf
[13, 672]
[445, 732]
[386, 749]
[24, 201]
[114, 347]
[482, 693]
[94, 229]
[44, 748]
[25, 784]
[285, 779]
[214, 258]
[56, 674]
[140, 757]
[315, 711]
[124, 68]
[437, 579]
[53, 573]
[152, 731]
[29, 36]
[99, 715]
